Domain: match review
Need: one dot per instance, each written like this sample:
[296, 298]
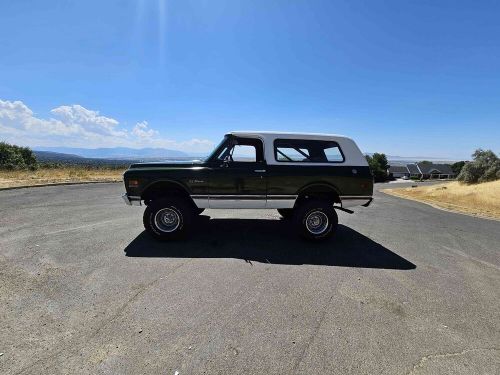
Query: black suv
[304, 176]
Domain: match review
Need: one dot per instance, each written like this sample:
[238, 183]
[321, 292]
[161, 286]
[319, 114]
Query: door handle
[259, 170]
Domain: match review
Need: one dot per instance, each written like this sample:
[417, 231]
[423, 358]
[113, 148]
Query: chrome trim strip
[280, 203]
[237, 203]
[237, 197]
[201, 201]
[244, 201]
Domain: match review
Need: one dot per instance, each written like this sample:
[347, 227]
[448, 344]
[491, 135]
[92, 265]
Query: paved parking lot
[403, 288]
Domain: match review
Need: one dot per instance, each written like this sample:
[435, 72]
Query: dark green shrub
[485, 167]
[13, 157]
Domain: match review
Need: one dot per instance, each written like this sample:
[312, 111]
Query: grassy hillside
[63, 174]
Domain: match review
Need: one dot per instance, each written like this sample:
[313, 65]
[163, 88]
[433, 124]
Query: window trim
[294, 140]
[229, 138]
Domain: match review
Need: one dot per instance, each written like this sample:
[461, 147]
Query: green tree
[379, 166]
[13, 157]
[484, 167]
[457, 167]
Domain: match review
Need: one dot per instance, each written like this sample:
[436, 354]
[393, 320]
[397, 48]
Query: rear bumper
[131, 200]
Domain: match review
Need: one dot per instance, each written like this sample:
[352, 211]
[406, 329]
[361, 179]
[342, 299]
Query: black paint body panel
[242, 178]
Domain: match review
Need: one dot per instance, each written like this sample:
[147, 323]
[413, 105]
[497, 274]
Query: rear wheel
[168, 218]
[316, 219]
[286, 213]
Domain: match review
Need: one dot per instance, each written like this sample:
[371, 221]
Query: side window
[307, 151]
[292, 154]
[333, 154]
[244, 153]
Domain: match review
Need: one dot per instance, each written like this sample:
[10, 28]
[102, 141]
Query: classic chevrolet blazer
[306, 177]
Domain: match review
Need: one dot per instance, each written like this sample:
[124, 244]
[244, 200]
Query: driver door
[238, 177]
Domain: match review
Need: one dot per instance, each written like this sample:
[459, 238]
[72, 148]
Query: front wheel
[168, 218]
[316, 220]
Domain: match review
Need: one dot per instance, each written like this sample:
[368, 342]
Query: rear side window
[307, 151]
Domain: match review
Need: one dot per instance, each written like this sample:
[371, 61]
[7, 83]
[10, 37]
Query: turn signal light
[133, 183]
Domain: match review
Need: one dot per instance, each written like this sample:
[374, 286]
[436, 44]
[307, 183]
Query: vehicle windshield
[212, 154]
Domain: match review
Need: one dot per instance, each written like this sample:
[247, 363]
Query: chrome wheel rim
[317, 222]
[167, 220]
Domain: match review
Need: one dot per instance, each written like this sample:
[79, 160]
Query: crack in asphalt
[312, 338]
[426, 358]
[77, 340]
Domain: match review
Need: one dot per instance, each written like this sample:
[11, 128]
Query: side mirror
[226, 161]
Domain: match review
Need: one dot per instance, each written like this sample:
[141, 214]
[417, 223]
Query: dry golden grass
[478, 200]
[58, 175]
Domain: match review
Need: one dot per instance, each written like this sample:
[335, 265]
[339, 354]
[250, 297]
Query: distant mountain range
[126, 154]
[71, 159]
[116, 152]
[413, 159]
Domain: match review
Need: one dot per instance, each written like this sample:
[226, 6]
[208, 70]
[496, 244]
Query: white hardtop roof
[275, 134]
[352, 154]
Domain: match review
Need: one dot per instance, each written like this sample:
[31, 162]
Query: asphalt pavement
[403, 288]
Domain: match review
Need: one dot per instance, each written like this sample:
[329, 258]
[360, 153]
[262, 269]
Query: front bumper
[131, 200]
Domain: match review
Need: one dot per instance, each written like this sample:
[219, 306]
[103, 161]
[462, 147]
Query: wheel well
[320, 191]
[165, 189]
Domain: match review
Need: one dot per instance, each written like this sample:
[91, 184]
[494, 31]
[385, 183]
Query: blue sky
[406, 78]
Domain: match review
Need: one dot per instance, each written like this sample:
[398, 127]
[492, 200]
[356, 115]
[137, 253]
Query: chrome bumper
[132, 200]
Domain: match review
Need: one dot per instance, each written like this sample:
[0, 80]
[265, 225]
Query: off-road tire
[168, 218]
[315, 220]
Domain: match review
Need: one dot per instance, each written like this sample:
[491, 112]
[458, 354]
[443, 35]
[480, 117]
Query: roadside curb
[60, 184]
[434, 205]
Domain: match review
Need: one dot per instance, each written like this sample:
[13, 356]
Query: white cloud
[87, 120]
[142, 131]
[77, 126]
